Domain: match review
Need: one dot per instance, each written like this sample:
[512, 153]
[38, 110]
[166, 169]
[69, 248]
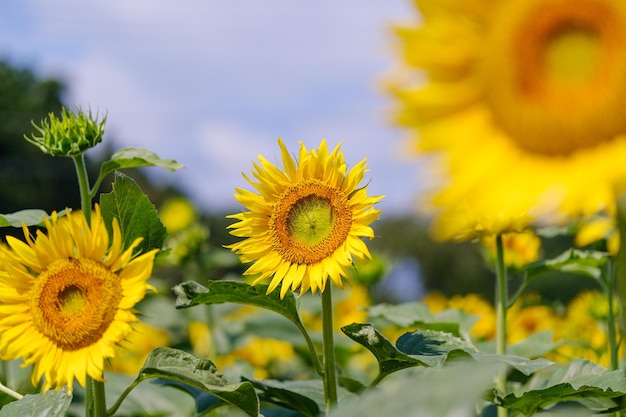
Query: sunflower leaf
[389, 358]
[201, 374]
[584, 262]
[306, 397]
[29, 217]
[49, 404]
[579, 381]
[137, 216]
[136, 157]
[191, 294]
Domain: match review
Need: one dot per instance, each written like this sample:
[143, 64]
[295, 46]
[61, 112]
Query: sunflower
[306, 222]
[67, 297]
[523, 100]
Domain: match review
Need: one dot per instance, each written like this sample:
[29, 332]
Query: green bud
[71, 135]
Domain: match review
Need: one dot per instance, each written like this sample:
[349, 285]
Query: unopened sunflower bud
[70, 135]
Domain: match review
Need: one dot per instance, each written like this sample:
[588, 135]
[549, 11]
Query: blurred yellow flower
[307, 221]
[177, 214]
[597, 228]
[584, 329]
[201, 339]
[485, 326]
[263, 354]
[351, 308]
[524, 320]
[132, 352]
[522, 100]
[520, 249]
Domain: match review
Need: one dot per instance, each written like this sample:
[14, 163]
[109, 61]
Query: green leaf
[416, 315]
[581, 381]
[534, 346]
[137, 216]
[49, 404]
[306, 397]
[584, 262]
[136, 157]
[453, 390]
[437, 348]
[180, 366]
[29, 217]
[191, 293]
[389, 358]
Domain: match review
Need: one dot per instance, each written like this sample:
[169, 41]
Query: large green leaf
[584, 262]
[136, 157]
[179, 366]
[306, 397]
[436, 348]
[137, 216]
[453, 390]
[191, 293]
[580, 381]
[49, 404]
[430, 349]
[389, 358]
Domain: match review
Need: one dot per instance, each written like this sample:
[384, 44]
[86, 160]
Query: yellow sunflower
[523, 100]
[67, 297]
[306, 222]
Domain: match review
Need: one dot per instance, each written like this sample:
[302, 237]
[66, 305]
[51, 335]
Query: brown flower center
[309, 222]
[74, 301]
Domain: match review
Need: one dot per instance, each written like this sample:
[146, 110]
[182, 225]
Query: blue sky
[212, 84]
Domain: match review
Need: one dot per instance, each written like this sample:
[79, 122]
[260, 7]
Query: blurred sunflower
[306, 223]
[67, 298]
[524, 100]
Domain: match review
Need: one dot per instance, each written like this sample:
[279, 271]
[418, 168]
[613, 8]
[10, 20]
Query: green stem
[611, 323]
[330, 375]
[10, 392]
[83, 185]
[95, 405]
[111, 411]
[95, 398]
[501, 308]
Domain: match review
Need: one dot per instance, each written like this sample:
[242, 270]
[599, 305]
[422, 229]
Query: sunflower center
[556, 73]
[74, 301]
[309, 222]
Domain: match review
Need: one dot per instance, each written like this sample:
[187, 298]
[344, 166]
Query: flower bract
[522, 100]
[67, 297]
[306, 221]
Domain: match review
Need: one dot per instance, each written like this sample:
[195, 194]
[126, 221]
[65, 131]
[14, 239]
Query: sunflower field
[122, 308]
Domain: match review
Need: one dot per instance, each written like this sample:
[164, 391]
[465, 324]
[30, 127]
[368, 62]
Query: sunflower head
[523, 100]
[306, 221]
[70, 135]
[67, 297]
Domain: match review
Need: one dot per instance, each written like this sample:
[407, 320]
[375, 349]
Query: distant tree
[28, 178]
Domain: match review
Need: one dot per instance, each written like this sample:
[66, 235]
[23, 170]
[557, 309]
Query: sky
[213, 84]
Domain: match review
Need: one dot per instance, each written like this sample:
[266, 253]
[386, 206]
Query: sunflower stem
[330, 375]
[83, 185]
[95, 403]
[501, 308]
[10, 392]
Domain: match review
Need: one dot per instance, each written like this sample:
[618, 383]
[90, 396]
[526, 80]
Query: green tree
[28, 178]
